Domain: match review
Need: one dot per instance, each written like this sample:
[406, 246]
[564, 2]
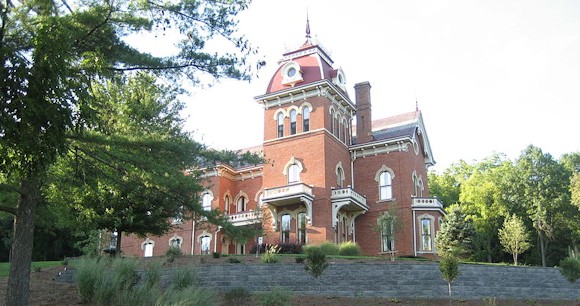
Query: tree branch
[9, 188]
[8, 209]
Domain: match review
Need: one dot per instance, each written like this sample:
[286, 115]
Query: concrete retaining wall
[400, 280]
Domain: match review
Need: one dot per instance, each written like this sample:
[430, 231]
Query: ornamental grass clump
[271, 254]
[349, 248]
[316, 261]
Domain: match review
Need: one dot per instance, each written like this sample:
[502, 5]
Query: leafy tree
[456, 235]
[447, 186]
[539, 187]
[514, 237]
[449, 268]
[51, 52]
[482, 202]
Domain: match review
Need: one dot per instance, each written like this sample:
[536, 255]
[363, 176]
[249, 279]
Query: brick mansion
[332, 172]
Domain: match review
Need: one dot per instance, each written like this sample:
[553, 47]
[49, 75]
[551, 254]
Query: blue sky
[489, 76]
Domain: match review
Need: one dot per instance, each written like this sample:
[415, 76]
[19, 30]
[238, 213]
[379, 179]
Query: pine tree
[456, 235]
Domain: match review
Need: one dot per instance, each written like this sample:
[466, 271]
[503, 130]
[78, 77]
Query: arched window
[385, 186]
[339, 177]
[293, 173]
[176, 242]
[306, 119]
[293, 122]
[227, 202]
[241, 205]
[332, 121]
[301, 228]
[206, 202]
[286, 228]
[147, 247]
[426, 235]
[205, 244]
[280, 125]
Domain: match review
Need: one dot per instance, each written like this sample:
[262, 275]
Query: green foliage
[216, 254]
[449, 268]
[327, 248]
[456, 234]
[349, 248]
[234, 260]
[447, 186]
[194, 296]
[570, 267]
[173, 253]
[316, 261]
[514, 237]
[271, 254]
[275, 297]
[183, 278]
[238, 296]
[89, 273]
[300, 259]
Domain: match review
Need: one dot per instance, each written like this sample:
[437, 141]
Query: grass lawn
[5, 266]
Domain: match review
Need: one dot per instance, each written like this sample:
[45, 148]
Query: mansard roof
[407, 126]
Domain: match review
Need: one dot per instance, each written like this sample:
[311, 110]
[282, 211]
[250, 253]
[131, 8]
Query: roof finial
[416, 103]
[307, 26]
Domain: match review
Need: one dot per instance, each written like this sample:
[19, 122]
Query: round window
[291, 72]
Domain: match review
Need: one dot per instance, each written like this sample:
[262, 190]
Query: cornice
[322, 88]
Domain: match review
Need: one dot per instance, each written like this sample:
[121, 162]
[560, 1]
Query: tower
[307, 133]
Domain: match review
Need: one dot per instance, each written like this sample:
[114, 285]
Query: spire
[307, 27]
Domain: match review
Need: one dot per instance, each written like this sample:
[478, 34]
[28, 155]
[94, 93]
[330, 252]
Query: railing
[427, 203]
[245, 217]
[288, 190]
[349, 194]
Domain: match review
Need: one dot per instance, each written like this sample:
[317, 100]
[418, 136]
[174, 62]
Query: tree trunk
[118, 245]
[21, 252]
[542, 248]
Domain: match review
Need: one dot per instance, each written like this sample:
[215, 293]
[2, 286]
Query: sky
[489, 76]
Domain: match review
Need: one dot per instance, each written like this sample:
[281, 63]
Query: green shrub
[275, 297]
[89, 272]
[329, 248]
[152, 276]
[238, 296]
[216, 254]
[234, 260]
[300, 259]
[125, 273]
[183, 278]
[172, 253]
[349, 248]
[570, 268]
[316, 261]
[190, 297]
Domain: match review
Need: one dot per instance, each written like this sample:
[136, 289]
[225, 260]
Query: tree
[455, 237]
[447, 186]
[482, 202]
[514, 237]
[538, 187]
[449, 268]
[52, 51]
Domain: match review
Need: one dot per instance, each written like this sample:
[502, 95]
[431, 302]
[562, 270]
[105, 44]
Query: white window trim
[384, 168]
[418, 221]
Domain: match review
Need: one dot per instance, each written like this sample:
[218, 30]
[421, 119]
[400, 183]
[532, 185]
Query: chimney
[363, 113]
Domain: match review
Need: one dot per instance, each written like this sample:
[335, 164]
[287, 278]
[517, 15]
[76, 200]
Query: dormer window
[340, 79]
[291, 74]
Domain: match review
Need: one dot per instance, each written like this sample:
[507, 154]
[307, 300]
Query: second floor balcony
[346, 199]
[287, 195]
[245, 217]
[430, 203]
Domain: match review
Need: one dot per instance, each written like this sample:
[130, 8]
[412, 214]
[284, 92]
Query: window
[387, 227]
[147, 247]
[332, 120]
[286, 228]
[178, 219]
[241, 205]
[280, 125]
[306, 119]
[205, 244]
[302, 228]
[426, 235]
[175, 242]
[339, 177]
[293, 122]
[206, 202]
[227, 202]
[385, 186]
[293, 173]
